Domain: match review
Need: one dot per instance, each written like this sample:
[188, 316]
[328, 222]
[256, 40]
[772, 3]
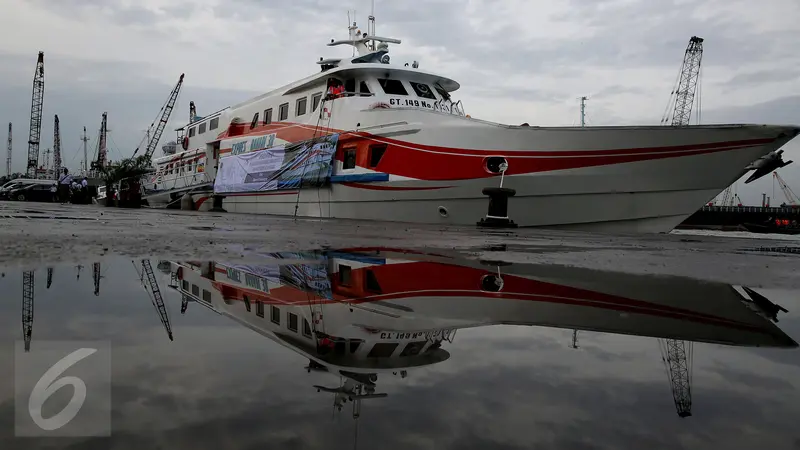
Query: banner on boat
[290, 166]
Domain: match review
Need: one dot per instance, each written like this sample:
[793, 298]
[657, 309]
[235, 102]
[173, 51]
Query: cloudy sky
[521, 61]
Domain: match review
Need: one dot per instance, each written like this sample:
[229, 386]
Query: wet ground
[274, 333]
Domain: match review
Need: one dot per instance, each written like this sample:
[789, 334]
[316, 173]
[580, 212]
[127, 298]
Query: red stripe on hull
[392, 188]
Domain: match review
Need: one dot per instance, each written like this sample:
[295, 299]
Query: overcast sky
[521, 61]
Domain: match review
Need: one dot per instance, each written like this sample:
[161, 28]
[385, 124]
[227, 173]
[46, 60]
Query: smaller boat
[772, 227]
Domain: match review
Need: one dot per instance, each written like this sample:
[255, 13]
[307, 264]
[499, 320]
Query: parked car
[32, 192]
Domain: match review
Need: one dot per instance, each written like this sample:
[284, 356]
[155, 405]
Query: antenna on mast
[371, 26]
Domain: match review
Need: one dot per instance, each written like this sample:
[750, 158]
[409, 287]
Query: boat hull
[652, 194]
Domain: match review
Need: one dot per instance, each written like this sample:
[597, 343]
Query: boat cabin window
[185, 285]
[422, 90]
[392, 87]
[191, 132]
[349, 161]
[275, 314]
[306, 328]
[283, 112]
[246, 302]
[268, 116]
[375, 154]
[292, 325]
[354, 344]
[300, 108]
[413, 348]
[442, 92]
[195, 290]
[201, 128]
[254, 122]
[382, 350]
[206, 296]
[371, 282]
[214, 124]
[315, 99]
[350, 86]
[259, 309]
[363, 88]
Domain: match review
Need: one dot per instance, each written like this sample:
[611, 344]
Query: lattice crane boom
[101, 144]
[37, 103]
[791, 198]
[27, 308]
[8, 155]
[158, 301]
[688, 81]
[56, 148]
[166, 111]
[677, 358]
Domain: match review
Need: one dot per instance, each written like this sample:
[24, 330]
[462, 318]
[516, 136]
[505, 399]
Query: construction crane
[27, 308]
[683, 96]
[8, 156]
[56, 149]
[153, 137]
[100, 162]
[791, 198]
[155, 294]
[37, 103]
[675, 354]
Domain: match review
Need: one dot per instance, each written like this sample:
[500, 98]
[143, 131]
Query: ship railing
[449, 107]
[195, 178]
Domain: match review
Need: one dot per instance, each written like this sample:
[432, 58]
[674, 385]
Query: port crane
[791, 198]
[102, 151]
[676, 354]
[56, 148]
[152, 137]
[8, 156]
[37, 103]
[150, 284]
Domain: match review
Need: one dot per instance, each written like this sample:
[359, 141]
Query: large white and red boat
[396, 145]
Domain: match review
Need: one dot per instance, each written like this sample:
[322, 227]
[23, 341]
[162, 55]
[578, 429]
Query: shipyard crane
[27, 308]
[8, 156]
[155, 294]
[56, 149]
[792, 199]
[158, 128]
[676, 354]
[683, 96]
[37, 103]
[100, 162]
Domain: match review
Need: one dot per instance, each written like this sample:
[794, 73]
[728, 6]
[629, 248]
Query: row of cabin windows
[181, 168]
[200, 129]
[300, 109]
[376, 152]
[370, 280]
[292, 320]
[196, 291]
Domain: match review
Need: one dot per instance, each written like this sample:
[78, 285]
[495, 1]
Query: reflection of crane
[677, 357]
[37, 103]
[27, 308]
[158, 129]
[682, 97]
[155, 294]
[49, 277]
[96, 277]
[574, 343]
[56, 148]
[791, 198]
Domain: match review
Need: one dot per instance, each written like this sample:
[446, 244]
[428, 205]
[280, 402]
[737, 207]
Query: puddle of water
[305, 348]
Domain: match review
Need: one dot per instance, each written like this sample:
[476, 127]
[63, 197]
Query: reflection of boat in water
[771, 228]
[360, 313]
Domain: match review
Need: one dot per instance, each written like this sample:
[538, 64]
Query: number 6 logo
[48, 385]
